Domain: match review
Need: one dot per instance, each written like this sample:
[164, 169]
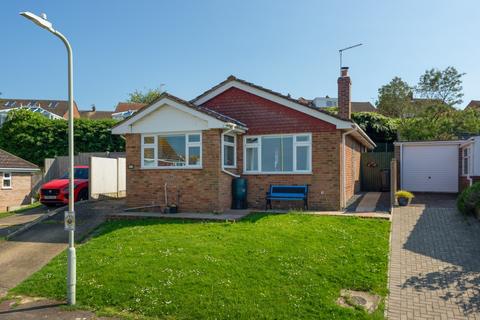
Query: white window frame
[4, 178]
[154, 146]
[469, 158]
[231, 144]
[258, 146]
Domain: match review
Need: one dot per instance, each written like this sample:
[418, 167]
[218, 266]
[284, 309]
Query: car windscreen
[80, 173]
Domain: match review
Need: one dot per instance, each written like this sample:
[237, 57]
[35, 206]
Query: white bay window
[172, 150]
[289, 153]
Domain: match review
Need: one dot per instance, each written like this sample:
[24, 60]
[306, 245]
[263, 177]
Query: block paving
[434, 263]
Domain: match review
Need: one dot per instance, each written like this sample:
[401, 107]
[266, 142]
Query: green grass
[289, 266]
[26, 208]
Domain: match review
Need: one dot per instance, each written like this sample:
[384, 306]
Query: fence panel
[375, 168]
[107, 177]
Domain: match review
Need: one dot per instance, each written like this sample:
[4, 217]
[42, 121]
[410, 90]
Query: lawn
[289, 266]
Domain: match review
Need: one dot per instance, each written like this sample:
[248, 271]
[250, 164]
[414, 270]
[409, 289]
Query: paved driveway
[28, 252]
[435, 262]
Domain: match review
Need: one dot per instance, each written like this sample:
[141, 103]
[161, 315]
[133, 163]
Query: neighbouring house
[95, 114]
[438, 166]
[190, 151]
[52, 109]
[473, 104]
[328, 102]
[17, 181]
[126, 109]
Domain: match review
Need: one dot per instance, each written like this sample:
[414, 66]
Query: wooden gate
[375, 171]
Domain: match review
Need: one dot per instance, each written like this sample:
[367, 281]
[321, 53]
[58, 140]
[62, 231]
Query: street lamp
[70, 215]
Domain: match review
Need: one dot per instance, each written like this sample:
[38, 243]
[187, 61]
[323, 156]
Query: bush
[469, 199]
[33, 137]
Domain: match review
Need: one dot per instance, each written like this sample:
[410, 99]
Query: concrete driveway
[29, 251]
[435, 261]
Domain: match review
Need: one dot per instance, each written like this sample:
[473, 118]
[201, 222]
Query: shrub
[33, 137]
[469, 199]
[404, 194]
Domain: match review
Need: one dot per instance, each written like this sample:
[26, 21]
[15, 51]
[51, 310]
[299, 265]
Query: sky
[189, 46]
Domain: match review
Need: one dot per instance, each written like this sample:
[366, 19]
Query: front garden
[289, 266]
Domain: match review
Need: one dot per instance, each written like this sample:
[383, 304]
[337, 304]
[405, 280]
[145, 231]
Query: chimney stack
[344, 95]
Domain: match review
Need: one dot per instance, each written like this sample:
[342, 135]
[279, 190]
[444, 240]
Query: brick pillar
[344, 95]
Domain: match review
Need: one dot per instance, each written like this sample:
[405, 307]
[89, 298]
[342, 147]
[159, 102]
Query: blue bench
[287, 193]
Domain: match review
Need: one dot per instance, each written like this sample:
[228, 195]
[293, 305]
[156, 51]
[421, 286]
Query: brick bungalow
[191, 150]
[17, 180]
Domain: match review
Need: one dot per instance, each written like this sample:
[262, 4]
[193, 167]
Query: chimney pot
[344, 72]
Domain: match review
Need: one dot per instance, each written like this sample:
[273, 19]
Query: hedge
[34, 137]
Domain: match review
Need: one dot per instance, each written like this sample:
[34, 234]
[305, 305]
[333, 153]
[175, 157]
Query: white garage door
[430, 168]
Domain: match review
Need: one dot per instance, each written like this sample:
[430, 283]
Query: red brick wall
[324, 183]
[263, 116]
[19, 194]
[209, 189]
[194, 190]
[352, 167]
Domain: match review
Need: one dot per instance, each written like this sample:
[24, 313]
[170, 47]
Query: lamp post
[70, 215]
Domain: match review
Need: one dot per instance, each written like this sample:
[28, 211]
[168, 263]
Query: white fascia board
[340, 124]
[125, 127]
[364, 136]
[429, 143]
[18, 170]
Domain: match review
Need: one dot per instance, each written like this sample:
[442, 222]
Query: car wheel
[83, 195]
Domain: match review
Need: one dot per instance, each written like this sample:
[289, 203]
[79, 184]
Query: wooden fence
[375, 167]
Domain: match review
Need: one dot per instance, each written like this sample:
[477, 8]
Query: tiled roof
[127, 106]
[473, 104]
[301, 101]
[363, 107]
[95, 115]
[58, 107]
[206, 111]
[10, 161]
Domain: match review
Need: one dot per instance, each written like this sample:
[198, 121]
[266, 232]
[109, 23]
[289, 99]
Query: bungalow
[189, 151]
[16, 176]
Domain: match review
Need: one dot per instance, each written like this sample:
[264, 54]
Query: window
[466, 161]
[7, 180]
[183, 150]
[229, 154]
[278, 154]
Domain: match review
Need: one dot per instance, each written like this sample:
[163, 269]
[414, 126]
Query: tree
[147, 96]
[444, 86]
[395, 98]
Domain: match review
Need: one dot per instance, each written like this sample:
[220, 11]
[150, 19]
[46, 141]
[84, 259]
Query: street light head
[39, 21]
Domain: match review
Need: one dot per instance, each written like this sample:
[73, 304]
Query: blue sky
[288, 46]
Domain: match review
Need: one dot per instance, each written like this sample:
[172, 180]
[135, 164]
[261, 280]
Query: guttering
[19, 169]
[344, 166]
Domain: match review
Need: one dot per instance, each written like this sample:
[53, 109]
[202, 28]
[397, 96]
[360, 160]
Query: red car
[55, 192]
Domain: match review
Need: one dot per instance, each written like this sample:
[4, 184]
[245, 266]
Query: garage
[429, 166]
